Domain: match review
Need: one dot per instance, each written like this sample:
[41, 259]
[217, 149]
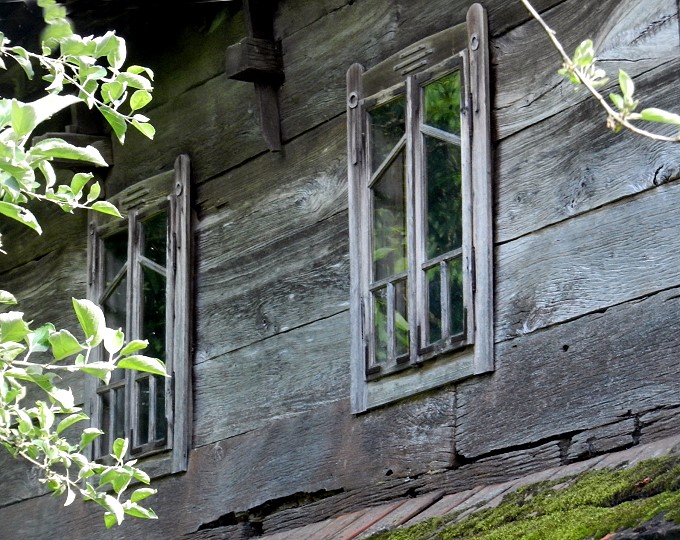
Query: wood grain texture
[294, 455]
[575, 376]
[611, 255]
[540, 184]
[258, 295]
[290, 373]
[630, 35]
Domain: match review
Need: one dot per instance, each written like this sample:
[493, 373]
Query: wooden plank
[575, 376]
[263, 293]
[609, 256]
[296, 455]
[273, 195]
[627, 34]
[539, 184]
[288, 374]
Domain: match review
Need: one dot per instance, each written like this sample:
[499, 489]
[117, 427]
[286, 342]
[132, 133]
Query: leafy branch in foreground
[36, 433]
[87, 70]
[582, 70]
[78, 69]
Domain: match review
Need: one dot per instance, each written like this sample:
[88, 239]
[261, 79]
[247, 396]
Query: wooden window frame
[168, 192]
[452, 358]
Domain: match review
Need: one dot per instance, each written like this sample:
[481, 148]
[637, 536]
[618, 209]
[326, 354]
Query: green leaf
[24, 118]
[47, 170]
[143, 363]
[39, 340]
[141, 494]
[7, 298]
[114, 506]
[135, 510]
[113, 340]
[70, 496]
[21, 57]
[120, 447]
[20, 214]
[71, 420]
[101, 370]
[626, 84]
[39, 110]
[139, 99]
[95, 191]
[13, 327]
[88, 435]
[60, 149]
[134, 346]
[134, 81]
[64, 344]
[617, 100]
[146, 129]
[113, 47]
[659, 115]
[79, 181]
[112, 91]
[105, 207]
[138, 70]
[110, 520]
[64, 398]
[91, 319]
[121, 480]
[115, 120]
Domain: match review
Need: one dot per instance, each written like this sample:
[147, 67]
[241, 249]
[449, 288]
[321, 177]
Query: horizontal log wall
[586, 272]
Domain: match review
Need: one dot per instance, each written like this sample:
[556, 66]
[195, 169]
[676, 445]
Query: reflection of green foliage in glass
[434, 312]
[444, 198]
[387, 123]
[456, 291]
[442, 103]
[380, 325]
[389, 221]
[400, 317]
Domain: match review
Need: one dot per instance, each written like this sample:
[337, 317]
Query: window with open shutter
[140, 275]
[420, 215]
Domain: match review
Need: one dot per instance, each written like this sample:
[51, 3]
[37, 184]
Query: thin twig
[573, 68]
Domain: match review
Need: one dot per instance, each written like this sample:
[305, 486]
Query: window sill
[437, 372]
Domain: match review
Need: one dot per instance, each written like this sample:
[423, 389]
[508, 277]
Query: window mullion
[134, 323]
[414, 213]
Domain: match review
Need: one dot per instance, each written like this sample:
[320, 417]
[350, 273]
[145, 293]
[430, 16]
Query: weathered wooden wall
[586, 271]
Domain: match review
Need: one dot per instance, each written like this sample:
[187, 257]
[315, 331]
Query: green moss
[589, 505]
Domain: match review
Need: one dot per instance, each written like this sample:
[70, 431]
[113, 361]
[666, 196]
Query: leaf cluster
[33, 358]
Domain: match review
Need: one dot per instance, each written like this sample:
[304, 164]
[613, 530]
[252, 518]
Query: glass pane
[115, 306]
[380, 338]
[442, 103]
[389, 221]
[104, 422]
[119, 413]
[401, 317]
[161, 423]
[444, 197]
[387, 128]
[155, 232]
[115, 256]
[153, 313]
[434, 303]
[143, 411]
[457, 304]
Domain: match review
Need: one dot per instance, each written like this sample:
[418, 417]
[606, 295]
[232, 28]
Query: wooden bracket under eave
[258, 59]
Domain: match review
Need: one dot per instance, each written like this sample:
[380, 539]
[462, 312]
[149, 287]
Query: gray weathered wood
[634, 36]
[259, 295]
[574, 376]
[288, 374]
[539, 184]
[605, 257]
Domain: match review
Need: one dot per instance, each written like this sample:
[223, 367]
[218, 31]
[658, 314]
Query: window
[420, 216]
[139, 275]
